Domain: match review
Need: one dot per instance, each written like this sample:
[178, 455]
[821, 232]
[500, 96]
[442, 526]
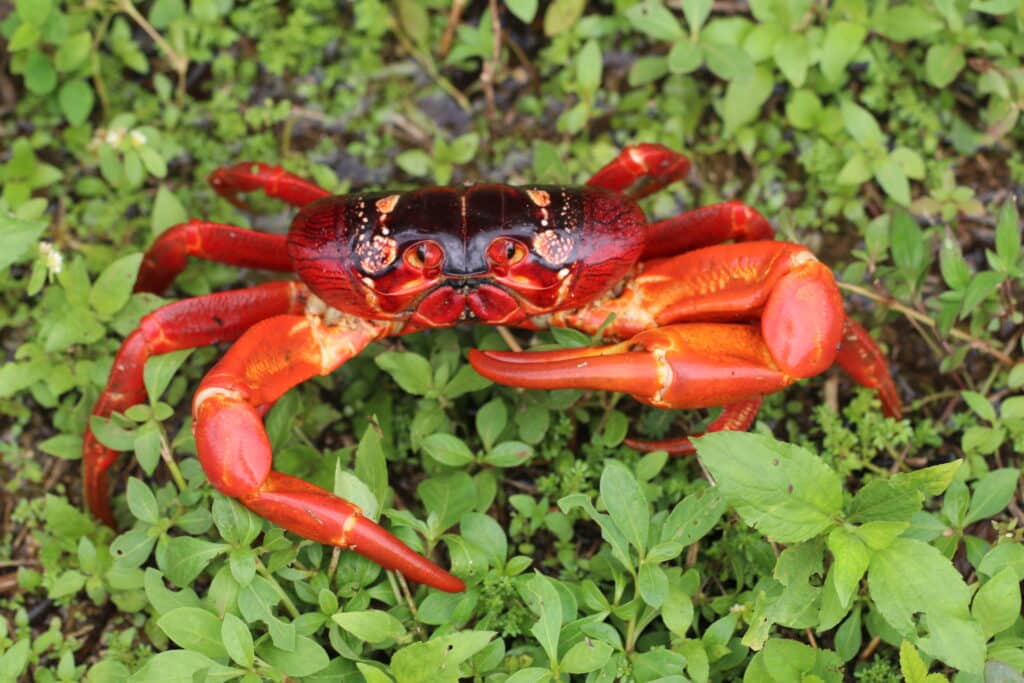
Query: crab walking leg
[249, 176]
[703, 227]
[263, 364]
[180, 325]
[862, 360]
[640, 170]
[228, 244]
[735, 417]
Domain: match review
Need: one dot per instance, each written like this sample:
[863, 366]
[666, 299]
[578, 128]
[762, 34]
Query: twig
[491, 65]
[179, 62]
[428, 65]
[509, 339]
[454, 17]
[974, 342]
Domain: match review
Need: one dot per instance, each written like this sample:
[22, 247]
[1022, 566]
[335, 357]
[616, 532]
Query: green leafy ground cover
[885, 135]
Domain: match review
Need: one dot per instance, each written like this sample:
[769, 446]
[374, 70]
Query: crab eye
[506, 252]
[424, 255]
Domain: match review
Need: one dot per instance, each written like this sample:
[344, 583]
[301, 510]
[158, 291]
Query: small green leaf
[1009, 235]
[415, 162]
[76, 100]
[142, 502]
[237, 640]
[194, 629]
[113, 287]
[861, 124]
[19, 237]
[448, 449]
[893, 180]
[588, 67]
[654, 19]
[491, 420]
[562, 15]
[167, 211]
[524, 10]
[586, 656]
[160, 370]
[40, 76]
[626, 503]
[373, 626]
[943, 63]
[992, 494]
[997, 603]
[410, 370]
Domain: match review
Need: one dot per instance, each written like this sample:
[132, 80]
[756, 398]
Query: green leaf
[943, 63]
[410, 370]
[793, 57]
[524, 10]
[19, 237]
[562, 15]
[447, 449]
[40, 76]
[781, 489]
[142, 502]
[982, 285]
[1009, 236]
[415, 162]
[548, 608]
[893, 180]
[449, 497]
[861, 124]
[113, 287]
[851, 557]
[237, 524]
[237, 640]
[997, 603]
[904, 23]
[160, 370]
[912, 583]
[76, 100]
[803, 110]
[697, 12]
[195, 629]
[907, 244]
[588, 67]
[654, 19]
[586, 656]
[181, 666]
[167, 211]
[624, 498]
[439, 659]
[371, 465]
[855, 171]
[992, 494]
[373, 626]
[33, 11]
[693, 517]
[509, 454]
[305, 659]
[491, 420]
[685, 57]
[653, 584]
[643, 71]
[744, 97]
[73, 51]
[64, 446]
[188, 556]
[842, 41]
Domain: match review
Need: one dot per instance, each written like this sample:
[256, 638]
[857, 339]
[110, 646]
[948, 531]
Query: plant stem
[288, 604]
[178, 61]
[974, 342]
[172, 465]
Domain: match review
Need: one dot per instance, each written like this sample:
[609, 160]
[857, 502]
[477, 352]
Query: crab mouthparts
[467, 299]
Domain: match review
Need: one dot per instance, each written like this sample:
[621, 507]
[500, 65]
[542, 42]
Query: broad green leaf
[997, 603]
[448, 496]
[992, 494]
[438, 660]
[19, 237]
[305, 659]
[586, 656]
[588, 67]
[626, 503]
[548, 608]
[861, 124]
[842, 41]
[373, 626]
[142, 502]
[236, 523]
[195, 629]
[448, 449]
[114, 285]
[943, 63]
[182, 666]
[904, 23]
[654, 19]
[76, 100]
[524, 10]
[237, 640]
[167, 211]
[893, 180]
[793, 57]
[561, 15]
[1009, 236]
[912, 582]
[410, 370]
[653, 584]
[744, 97]
[160, 370]
[188, 556]
[781, 489]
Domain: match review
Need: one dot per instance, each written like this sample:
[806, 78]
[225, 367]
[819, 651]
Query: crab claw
[694, 365]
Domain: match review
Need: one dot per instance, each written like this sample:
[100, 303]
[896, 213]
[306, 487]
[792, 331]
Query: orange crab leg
[640, 170]
[735, 417]
[703, 227]
[249, 176]
[229, 244]
[233, 448]
[180, 325]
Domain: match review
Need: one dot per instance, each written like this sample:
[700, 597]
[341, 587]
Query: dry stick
[974, 342]
[428, 65]
[509, 339]
[454, 17]
[178, 62]
[491, 65]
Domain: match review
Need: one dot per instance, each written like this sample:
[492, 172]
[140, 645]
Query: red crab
[698, 322]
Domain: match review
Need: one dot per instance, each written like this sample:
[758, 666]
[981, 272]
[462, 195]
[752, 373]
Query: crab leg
[233, 448]
[735, 417]
[180, 325]
[229, 244]
[719, 326]
[640, 170]
[703, 227]
[249, 176]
